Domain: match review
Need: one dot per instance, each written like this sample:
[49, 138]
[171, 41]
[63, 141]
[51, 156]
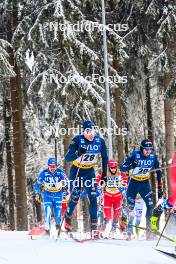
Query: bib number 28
[143, 171]
[88, 157]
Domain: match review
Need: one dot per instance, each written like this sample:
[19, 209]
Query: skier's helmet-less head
[146, 147]
[112, 166]
[52, 164]
[88, 130]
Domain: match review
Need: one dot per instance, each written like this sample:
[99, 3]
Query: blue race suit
[139, 179]
[52, 184]
[86, 175]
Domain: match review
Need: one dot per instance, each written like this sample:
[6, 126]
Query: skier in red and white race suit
[169, 203]
[113, 199]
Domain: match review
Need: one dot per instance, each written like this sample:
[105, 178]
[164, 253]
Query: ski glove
[103, 181]
[134, 164]
[160, 192]
[38, 198]
[82, 151]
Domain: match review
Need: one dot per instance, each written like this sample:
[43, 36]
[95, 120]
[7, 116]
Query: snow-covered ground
[17, 248]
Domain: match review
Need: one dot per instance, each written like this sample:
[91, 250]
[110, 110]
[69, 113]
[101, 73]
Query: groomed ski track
[18, 248]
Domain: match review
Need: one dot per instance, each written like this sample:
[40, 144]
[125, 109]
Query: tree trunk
[18, 146]
[119, 117]
[7, 124]
[149, 112]
[18, 128]
[66, 142]
[150, 130]
[55, 148]
[119, 122]
[169, 126]
[85, 211]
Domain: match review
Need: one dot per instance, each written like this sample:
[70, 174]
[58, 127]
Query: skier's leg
[47, 211]
[131, 219]
[132, 191]
[107, 209]
[157, 212]
[117, 203]
[75, 189]
[138, 213]
[73, 201]
[57, 204]
[138, 210]
[146, 194]
[91, 188]
[64, 207]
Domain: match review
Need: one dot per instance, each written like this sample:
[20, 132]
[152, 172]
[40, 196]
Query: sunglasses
[89, 131]
[52, 167]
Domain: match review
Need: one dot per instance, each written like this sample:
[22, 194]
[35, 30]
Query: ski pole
[166, 222]
[63, 218]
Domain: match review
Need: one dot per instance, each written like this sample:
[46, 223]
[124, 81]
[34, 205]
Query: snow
[17, 248]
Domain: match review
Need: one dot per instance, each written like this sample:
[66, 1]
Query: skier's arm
[104, 157]
[158, 170]
[72, 153]
[38, 183]
[64, 181]
[129, 163]
[159, 177]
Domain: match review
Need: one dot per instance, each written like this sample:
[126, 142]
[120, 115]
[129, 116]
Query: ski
[166, 253]
[41, 236]
[82, 240]
[156, 233]
[36, 232]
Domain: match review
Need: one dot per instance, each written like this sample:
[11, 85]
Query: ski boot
[113, 233]
[58, 227]
[103, 226]
[137, 231]
[114, 227]
[150, 235]
[47, 232]
[150, 231]
[95, 233]
[67, 224]
[123, 224]
[130, 234]
[155, 219]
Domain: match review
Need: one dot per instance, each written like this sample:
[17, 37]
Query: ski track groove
[17, 248]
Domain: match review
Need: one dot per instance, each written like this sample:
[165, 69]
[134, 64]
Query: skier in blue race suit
[83, 151]
[53, 181]
[139, 164]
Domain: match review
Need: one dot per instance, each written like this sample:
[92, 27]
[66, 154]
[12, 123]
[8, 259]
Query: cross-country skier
[83, 151]
[139, 164]
[53, 181]
[116, 183]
